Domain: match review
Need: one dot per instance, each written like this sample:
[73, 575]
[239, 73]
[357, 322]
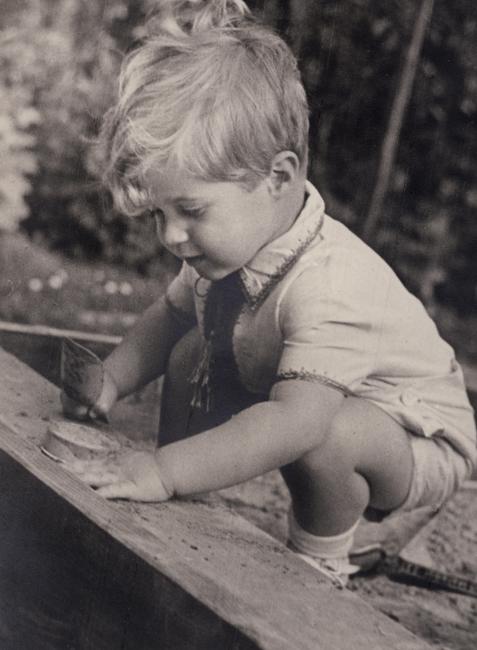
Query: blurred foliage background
[58, 67]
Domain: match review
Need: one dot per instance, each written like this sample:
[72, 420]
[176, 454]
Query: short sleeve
[329, 327]
[180, 296]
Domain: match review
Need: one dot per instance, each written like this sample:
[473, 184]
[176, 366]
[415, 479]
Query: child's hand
[134, 475]
[107, 399]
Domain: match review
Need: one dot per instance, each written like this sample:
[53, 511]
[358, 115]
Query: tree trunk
[400, 103]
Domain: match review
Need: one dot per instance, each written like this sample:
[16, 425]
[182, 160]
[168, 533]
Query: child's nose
[174, 234]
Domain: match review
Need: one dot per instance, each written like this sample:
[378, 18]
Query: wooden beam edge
[300, 602]
[54, 332]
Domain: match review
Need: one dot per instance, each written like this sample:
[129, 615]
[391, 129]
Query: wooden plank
[227, 583]
[65, 583]
[45, 330]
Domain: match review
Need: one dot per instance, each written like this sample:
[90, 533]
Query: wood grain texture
[179, 575]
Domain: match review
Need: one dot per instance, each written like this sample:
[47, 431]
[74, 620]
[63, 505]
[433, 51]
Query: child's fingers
[94, 473]
[95, 413]
[74, 409]
[96, 479]
[78, 466]
[133, 476]
[108, 397]
[120, 490]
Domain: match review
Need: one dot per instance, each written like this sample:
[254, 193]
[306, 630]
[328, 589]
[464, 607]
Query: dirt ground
[445, 620]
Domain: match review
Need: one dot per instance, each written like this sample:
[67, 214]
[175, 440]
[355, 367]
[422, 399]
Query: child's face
[215, 227]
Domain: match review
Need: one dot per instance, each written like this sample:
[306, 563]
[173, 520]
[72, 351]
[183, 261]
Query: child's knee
[344, 444]
[339, 446]
[334, 456]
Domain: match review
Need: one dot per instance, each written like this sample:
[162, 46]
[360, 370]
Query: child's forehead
[171, 186]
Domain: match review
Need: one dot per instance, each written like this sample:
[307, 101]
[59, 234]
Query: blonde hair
[208, 90]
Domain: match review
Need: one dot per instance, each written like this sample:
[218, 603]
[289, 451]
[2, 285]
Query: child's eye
[193, 212]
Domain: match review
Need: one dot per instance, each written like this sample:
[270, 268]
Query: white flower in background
[111, 287]
[55, 282]
[35, 285]
[128, 319]
[125, 289]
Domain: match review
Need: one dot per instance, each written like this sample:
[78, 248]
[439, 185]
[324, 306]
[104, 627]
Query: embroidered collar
[272, 262]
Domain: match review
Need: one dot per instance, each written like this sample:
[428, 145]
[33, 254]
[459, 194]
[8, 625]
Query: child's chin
[213, 273]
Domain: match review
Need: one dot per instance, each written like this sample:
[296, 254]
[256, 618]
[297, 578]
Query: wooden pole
[400, 103]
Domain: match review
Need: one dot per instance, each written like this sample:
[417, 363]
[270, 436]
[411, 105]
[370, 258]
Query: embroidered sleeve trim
[307, 375]
[183, 317]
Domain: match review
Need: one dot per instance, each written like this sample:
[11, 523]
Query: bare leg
[366, 459]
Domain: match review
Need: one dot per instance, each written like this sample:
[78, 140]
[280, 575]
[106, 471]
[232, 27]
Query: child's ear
[284, 171]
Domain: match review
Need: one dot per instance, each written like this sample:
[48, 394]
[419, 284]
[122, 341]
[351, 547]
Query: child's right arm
[140, 357]
[143, 353]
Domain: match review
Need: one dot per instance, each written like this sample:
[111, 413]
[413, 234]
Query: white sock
[329, 547]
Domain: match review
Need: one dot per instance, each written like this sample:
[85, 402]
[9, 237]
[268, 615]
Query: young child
[286, 341]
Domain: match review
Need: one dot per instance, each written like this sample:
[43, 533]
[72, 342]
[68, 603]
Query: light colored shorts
[439, 471]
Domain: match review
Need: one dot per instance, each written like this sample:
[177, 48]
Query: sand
[445, 620]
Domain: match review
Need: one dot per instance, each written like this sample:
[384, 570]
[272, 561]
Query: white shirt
[320, 305]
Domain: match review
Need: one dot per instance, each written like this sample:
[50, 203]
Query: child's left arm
[263, 437]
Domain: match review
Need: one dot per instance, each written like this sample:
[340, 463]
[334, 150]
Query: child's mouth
[194, 259]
